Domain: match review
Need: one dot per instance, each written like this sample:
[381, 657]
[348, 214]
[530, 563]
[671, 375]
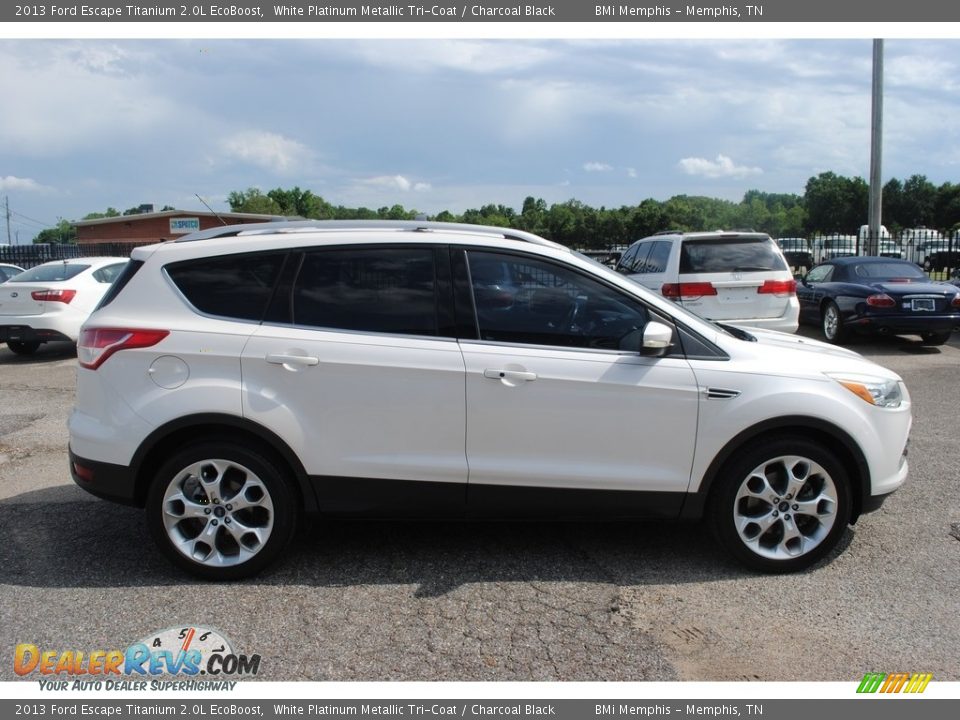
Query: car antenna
[210, 209]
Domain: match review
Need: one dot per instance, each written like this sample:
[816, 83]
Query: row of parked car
[738, 278]
[927, 248]
[744, 279]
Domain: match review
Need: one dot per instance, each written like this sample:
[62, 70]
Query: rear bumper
[27, 333]
[905, 324]
[105, 480]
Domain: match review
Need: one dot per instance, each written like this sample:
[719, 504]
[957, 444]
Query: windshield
[53, 272]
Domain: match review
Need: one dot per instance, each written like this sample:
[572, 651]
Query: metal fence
[27, 256]
[936, 252]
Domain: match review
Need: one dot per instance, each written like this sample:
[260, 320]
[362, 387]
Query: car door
[810, 292]
[362, 376]
[561, 418]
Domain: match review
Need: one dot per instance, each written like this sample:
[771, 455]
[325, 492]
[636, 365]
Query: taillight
[97, 344]
[63, 296]
[781, 288]
[955, 302]
[881, 300]
[687, 290]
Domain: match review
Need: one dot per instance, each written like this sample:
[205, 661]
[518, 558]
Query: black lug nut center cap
[219, 511]
[784, 506]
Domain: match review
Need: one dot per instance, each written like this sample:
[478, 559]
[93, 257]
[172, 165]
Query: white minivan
[741, 278]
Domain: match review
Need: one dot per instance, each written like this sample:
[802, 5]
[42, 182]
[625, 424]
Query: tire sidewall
[283, 499]
[723, 499]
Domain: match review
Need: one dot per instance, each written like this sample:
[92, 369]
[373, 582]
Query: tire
[193, 516]
[832, 324]
[20, 347]
[933, 338]
[780, 504]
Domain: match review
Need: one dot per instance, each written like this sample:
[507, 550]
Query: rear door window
[382, 290]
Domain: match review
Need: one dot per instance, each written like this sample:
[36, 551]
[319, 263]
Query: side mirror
[657, 339]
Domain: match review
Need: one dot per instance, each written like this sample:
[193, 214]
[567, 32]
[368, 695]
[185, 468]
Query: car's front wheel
[220, 510]
[780, 505]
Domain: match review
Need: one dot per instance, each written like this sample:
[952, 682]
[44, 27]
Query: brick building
[155, 227]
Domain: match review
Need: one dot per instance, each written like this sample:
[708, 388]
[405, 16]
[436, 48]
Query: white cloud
[266, 149]
[13, 183]
[597, 167]
[477, 57]
[72, 96]
[631, 172]
[722, 167]
[397, 182]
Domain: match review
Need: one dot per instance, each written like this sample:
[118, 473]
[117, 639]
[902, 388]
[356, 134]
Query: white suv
[239, 380]
[737, 277]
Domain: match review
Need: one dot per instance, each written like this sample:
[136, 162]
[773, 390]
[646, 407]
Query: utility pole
[6, 202]
[876, 149]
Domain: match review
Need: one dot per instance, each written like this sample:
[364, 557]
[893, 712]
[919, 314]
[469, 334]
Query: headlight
[876, 391]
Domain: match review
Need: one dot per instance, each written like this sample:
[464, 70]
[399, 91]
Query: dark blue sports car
[878, 295]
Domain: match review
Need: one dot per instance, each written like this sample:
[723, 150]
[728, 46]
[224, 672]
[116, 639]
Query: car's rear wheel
[221, 511]
[22, 348]
[933, 338]
[781, 505]
[832, 324]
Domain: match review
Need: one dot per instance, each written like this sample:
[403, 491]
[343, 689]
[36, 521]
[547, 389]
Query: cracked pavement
[491, 601]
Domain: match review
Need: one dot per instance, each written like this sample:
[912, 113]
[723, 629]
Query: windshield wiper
[737, 332]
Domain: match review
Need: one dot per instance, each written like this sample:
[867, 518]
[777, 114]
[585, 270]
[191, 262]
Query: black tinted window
[530, 301]
[658, 257]
[234, 286]
[627, 260]
[389, 290]
[730, 255]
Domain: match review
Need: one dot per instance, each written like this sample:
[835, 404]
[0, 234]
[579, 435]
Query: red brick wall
[151, 230]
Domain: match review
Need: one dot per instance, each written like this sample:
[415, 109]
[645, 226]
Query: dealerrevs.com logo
[185, 652]
[894, 682]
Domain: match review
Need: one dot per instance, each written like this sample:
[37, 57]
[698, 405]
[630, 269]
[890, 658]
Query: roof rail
[271, 228]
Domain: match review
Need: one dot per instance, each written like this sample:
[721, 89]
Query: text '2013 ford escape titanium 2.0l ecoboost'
[239, 380]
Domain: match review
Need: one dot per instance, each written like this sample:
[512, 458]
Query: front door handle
[510, 375]
[281, 359]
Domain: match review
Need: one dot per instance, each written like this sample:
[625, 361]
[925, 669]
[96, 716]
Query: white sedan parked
[51, 301]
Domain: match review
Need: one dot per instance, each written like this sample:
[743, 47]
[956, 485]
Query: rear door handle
[281, 359]
[514, 375]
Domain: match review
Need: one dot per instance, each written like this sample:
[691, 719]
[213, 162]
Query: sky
[453, 124]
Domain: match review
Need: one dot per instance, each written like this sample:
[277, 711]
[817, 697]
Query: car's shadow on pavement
[48, 352]
[54, 538]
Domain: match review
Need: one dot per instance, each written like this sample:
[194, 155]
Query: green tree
[252, 200]
[62, 234]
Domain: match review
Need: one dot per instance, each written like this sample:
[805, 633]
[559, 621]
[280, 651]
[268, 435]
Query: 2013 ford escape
[237, 381]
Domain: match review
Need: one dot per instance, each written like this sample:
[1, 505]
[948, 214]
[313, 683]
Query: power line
[27, 217]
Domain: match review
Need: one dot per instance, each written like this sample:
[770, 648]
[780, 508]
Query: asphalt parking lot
[492, 601]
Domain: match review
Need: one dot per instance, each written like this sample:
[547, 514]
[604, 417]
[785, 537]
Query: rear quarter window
[733, 255]
[231, 286]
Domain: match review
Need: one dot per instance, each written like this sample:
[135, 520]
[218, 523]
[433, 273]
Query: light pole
[876, 151]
